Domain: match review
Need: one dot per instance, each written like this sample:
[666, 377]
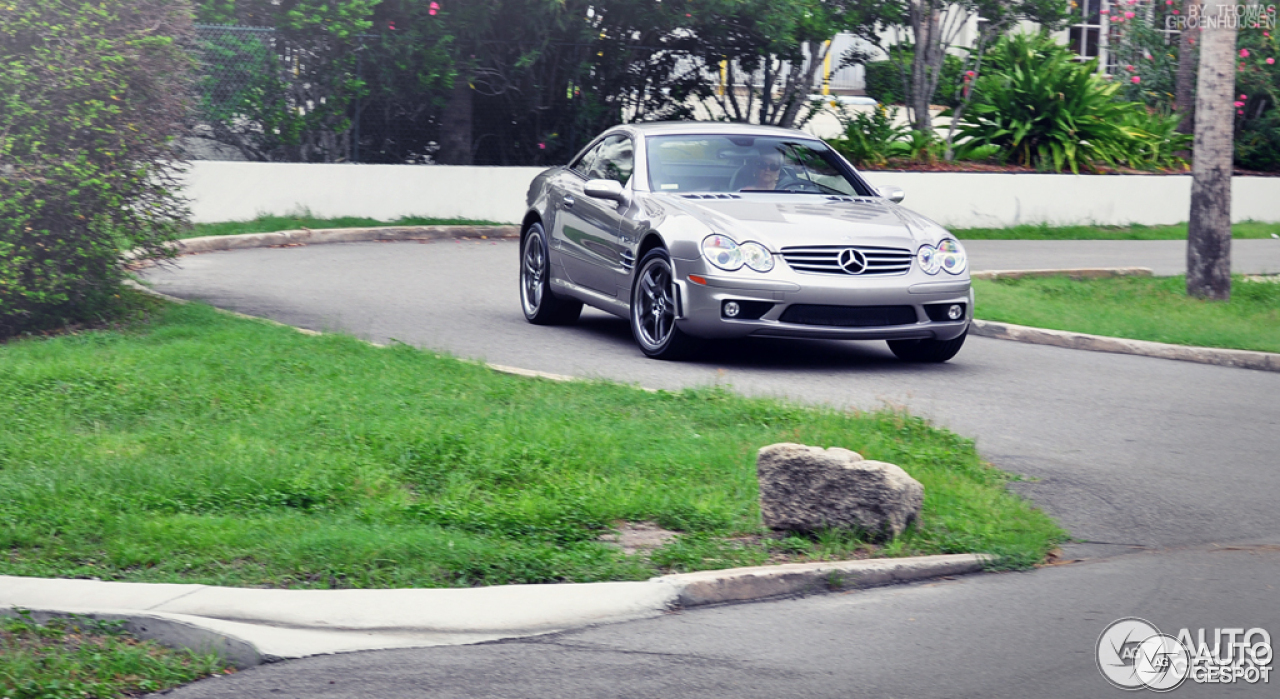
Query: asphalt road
[1166, 472]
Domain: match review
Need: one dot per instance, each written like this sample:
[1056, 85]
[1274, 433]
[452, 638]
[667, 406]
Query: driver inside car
[765, 170]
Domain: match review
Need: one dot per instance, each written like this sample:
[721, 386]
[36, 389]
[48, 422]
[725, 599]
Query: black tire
[653, 309]
[927, 350]
[541, 306]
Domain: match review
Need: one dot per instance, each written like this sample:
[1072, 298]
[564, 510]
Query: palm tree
[1209, 230]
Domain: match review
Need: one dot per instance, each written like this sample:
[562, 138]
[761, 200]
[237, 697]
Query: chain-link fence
[266, 95]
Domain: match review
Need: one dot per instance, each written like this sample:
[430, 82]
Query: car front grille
[825, 259]
[848, 316]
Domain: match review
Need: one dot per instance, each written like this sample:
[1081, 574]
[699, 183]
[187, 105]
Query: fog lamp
[732, 309]
[955, 311]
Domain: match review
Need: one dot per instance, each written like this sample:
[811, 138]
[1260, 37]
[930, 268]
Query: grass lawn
[1139, 308]
[80, 657]
[1247, 229]
[271, 224]
[200, 447]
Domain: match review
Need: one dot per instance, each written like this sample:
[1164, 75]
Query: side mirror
[893, 194]
[605, 189]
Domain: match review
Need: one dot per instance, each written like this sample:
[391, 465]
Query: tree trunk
[1209, 230]
[1184, 92]
[924, 30]
[455, 125]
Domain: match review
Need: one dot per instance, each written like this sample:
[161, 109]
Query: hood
[779, 220]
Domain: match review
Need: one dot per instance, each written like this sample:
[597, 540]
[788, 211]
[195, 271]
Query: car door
[586, 229]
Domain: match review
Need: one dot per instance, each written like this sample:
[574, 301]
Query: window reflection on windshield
[719, 164]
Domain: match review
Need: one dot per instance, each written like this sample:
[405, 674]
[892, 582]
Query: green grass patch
[200, 447]
[1247, 229]
[1138, 308]
[271, 224]
[79, 657]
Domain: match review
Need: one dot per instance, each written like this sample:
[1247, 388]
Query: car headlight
[756, 256]
[948, 255]
[722, 252]
[953, 257]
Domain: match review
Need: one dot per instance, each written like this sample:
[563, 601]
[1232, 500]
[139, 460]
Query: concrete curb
[254, 626]
[1074, 273]
[308, 236]
[792, 579]
[1241, 359]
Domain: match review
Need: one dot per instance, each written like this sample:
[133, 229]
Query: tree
[1184, 91]
[92, 96]
[935, 26]
[780, 45]
[1209, 229]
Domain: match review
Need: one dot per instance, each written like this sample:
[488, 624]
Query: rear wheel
[541, 306]
[653, 309]
[927, 350]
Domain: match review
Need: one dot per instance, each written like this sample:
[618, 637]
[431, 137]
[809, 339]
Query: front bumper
[702, 304]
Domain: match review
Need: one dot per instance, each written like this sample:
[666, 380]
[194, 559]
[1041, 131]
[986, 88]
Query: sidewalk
[252, 626]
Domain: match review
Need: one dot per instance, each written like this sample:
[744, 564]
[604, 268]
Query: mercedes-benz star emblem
[852, 261]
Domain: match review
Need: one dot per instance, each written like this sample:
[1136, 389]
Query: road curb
[1074, 273]
[318, 236]
[792, 579]
[1240, 359]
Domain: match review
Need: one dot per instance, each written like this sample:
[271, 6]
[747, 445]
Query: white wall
[231, 191]
[234, 191]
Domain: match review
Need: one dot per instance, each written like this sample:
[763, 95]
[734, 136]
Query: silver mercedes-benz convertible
[711, 230]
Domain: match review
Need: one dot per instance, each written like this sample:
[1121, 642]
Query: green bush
[871, 138]
[92, 93]
[884, 80]
[1257, 96]
[1045, 109]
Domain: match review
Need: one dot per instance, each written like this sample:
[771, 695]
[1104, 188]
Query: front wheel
[541, 306]
[927, 350]
[653, 309]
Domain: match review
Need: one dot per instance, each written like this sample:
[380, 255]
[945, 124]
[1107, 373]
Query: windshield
[732, 163]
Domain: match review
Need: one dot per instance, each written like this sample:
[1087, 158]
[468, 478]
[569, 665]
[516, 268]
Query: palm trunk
[1184, 92]
[1209, 230]
[455, 125]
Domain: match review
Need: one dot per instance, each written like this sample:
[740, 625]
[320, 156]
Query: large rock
[806, 488]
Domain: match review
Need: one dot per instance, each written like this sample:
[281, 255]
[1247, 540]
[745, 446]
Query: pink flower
[1244, 97]
[1135, 79]
[1240, 112]
[1237, 104]
[1271, 61]
[1105, 12]
[433, 8]
[1168, 2]
[1175, 12]
[542, 146]
[1244, 53]
[1128, 15]
[391, 26]
[1129, 68]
